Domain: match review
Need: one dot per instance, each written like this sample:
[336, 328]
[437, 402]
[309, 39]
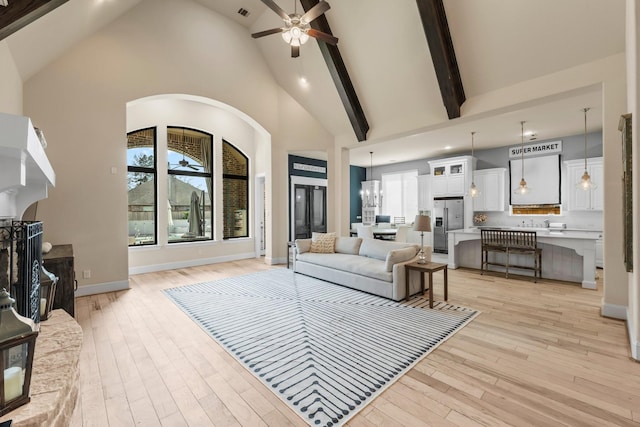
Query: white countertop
[575, 248]
[566, 233]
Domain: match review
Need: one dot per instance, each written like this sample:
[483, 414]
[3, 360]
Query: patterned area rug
[325, 350]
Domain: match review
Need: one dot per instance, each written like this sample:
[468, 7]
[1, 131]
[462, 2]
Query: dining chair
[365, 231]
[401, 233]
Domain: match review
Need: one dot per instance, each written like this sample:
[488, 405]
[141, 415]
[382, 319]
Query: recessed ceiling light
[448, 147]
[303, 81]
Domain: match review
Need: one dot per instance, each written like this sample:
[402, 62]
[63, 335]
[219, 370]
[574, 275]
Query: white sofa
[369, 265]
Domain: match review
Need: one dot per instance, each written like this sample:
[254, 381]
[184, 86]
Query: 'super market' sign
[538, 149]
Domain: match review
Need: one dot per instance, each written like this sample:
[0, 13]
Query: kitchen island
[566, 255]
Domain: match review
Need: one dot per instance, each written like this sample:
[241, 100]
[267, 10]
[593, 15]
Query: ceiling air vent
[244, 12]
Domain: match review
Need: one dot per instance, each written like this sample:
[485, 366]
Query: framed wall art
[624, 127]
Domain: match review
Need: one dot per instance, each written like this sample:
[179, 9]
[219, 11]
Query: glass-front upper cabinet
[456, 169]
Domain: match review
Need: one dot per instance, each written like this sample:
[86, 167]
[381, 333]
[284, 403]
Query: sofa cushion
[363, 266]
[378, 249]
[323, 243]
[348, 245]
[399, 255]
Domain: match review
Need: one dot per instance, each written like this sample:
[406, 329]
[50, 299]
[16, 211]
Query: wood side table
[429, 267]
[59, 261]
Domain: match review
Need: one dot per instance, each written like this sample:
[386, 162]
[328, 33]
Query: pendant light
[522, 188]
[473, 190]
[372, 194]
[585, 182]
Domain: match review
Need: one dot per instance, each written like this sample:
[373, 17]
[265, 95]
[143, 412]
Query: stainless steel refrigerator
[448, 214]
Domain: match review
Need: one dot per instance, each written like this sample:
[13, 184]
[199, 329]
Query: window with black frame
[142, 187]
[189, 185]
[235, 184]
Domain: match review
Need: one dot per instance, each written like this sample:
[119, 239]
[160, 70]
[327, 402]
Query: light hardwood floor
[539, 354]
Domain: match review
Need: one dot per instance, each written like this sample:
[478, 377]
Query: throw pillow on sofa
[323, 243]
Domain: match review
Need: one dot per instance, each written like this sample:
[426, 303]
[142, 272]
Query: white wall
[205, 115]
[159, 47]
[10, 83]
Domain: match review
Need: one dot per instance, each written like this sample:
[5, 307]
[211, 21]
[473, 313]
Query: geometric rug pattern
[324, 349]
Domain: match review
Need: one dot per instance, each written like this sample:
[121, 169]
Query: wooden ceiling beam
[340, 76]
[436, 28]
[20, 13]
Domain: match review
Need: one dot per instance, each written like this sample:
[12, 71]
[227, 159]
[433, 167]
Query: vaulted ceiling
[387, 49]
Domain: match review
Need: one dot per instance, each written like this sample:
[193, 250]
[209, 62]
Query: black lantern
[48, 284]
[17, 344]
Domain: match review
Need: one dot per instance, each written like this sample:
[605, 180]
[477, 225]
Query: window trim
[154, 171]
[196, 174]
[238, 177]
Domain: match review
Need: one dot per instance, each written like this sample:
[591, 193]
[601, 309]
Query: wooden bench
[510, 242]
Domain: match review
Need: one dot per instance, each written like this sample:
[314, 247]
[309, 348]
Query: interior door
[310, 210]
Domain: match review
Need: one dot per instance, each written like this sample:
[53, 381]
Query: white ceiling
[498, 43]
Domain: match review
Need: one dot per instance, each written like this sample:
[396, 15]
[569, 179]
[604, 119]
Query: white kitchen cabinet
[577, 198]
[424, 193]
[438, 185]
[451, 177]
[490, 183]
[600, 253]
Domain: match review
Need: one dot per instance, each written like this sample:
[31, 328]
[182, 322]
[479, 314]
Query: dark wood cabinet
[59, 261]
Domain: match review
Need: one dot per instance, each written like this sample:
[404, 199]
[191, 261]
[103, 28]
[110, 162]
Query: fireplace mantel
[25, 171]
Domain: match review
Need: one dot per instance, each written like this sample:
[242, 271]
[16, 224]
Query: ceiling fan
[296, 30]
[184, 162]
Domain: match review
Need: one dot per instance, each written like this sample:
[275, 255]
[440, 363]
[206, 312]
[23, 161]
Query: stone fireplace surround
[55, 377]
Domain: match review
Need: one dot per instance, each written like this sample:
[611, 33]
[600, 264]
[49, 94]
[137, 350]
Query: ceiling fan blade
[266, 32]
[273, 6]
[316, 11]
[195, 168]
[327, 38]
[295, 51]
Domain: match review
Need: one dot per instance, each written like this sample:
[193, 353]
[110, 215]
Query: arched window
[235, 185]
[189, 185]
[142, 187]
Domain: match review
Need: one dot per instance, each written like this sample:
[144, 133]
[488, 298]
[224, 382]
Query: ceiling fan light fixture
[295, 36]
[296, 30]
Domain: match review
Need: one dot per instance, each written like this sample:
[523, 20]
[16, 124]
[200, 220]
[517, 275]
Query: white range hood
[25, 171]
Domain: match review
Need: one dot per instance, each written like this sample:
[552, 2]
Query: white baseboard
[101, 288]
[614, 311]
[635, 348]
[189, 263]
[275, 261]
[633, 342]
